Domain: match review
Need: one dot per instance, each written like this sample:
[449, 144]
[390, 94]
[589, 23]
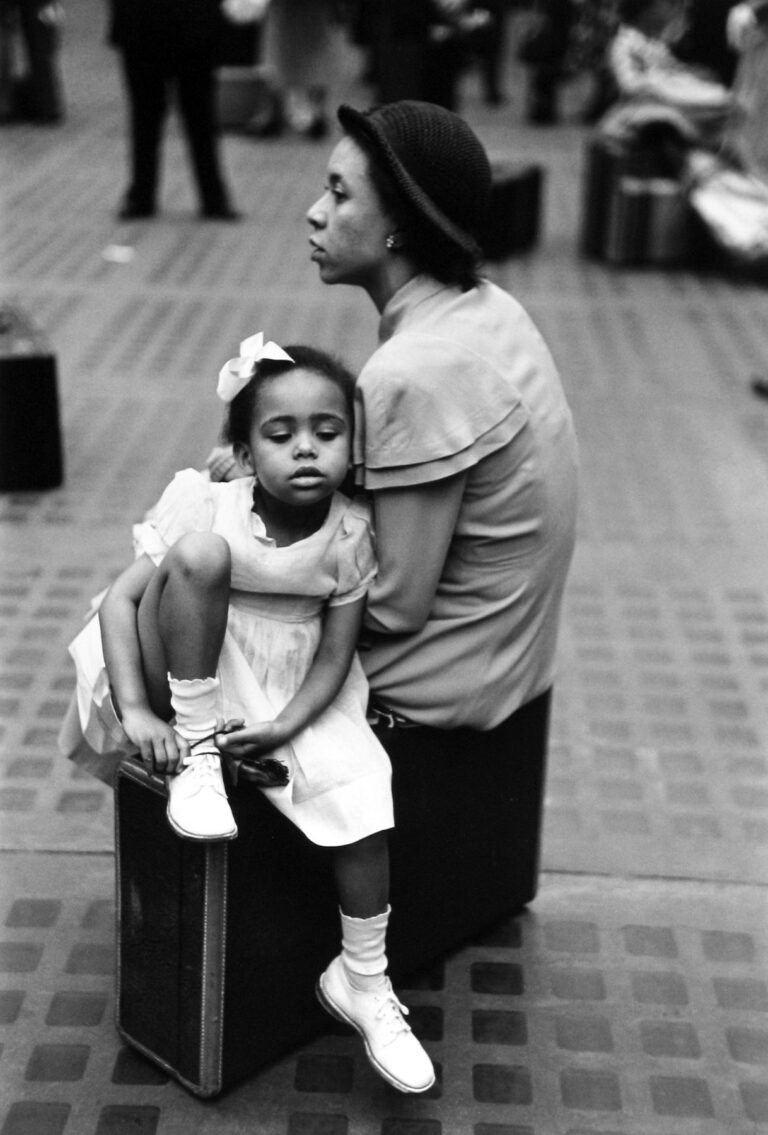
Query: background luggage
[514, 214]
[220, 945]
[633, 212]
[30, 434]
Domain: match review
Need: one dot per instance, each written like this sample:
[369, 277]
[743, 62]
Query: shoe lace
[204, 769]
[390, 1013]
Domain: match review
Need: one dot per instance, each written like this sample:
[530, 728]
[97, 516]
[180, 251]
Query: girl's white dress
[339, 789]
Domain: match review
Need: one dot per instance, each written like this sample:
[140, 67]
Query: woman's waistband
[379, 717]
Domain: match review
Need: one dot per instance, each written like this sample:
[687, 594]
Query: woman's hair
[242, 408]
[430, 250]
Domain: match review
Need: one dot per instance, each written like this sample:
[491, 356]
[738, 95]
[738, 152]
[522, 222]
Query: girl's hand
[159, 744]
[235, 741]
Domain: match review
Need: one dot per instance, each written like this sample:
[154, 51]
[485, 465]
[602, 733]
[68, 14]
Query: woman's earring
[391, 241]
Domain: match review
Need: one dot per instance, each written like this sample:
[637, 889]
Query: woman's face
[349, 223]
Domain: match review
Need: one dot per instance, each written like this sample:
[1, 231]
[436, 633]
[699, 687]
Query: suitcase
[648, 223]
[631, 213]
[220, 944]
[30, 432]
[669, 233]
[606, 163]
[513, 219]
[626, 222]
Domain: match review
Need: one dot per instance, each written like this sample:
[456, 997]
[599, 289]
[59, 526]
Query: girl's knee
[201, 557]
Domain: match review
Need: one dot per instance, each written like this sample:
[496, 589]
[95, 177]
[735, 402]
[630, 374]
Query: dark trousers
[150, 84]
[38, 95]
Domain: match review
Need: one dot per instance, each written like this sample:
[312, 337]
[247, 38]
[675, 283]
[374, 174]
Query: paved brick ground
[632, 996]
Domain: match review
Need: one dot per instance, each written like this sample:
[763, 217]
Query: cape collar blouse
[462, 396]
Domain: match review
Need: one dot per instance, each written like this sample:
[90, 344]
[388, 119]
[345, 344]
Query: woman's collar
[415, 291]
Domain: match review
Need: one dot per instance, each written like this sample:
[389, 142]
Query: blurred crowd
[413, 48]
[698, 68]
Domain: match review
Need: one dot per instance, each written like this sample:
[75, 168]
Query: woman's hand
[159, 744]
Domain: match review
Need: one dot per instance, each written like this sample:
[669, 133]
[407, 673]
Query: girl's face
[300, 438]
[349, 224]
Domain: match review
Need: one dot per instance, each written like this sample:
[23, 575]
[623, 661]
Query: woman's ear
[243, 456]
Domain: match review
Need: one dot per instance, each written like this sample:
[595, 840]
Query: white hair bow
[237, 373]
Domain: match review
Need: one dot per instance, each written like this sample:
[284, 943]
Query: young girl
[244, 605]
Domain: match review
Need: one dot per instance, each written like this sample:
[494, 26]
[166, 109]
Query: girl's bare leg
[182, 619]
[355, 987]
[361, 871]
[182, 616]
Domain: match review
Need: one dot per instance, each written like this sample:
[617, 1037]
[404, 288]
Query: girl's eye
[327, 435]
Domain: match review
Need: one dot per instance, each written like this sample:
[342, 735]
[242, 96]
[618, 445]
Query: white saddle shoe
[197, 801]
[390, 1045]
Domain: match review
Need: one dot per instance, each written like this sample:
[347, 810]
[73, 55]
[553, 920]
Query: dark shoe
[220, 213]
[134, 212]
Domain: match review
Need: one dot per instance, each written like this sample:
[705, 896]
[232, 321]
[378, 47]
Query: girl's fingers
[159, 758]
[230, 726]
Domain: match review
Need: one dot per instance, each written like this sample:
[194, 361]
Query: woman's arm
[156, 740]
[324, 679]
[414, 527]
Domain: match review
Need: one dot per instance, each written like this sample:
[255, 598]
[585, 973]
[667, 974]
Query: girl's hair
[242, 408]
[430, 250]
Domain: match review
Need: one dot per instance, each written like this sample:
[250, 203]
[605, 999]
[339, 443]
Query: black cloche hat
[435, 158]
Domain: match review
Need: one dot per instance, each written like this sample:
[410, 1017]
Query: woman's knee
[202, 559]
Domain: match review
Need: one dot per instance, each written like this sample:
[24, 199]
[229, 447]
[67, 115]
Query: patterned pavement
[632, 996]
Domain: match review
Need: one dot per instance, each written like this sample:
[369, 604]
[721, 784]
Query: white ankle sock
[363, 950]
[196, 703]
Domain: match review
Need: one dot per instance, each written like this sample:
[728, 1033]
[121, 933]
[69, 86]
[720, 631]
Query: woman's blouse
[465, 438]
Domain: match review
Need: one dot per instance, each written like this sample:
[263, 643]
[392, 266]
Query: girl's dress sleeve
[356, 563]
[185, 506]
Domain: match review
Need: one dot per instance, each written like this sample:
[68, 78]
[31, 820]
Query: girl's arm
[159, 744]
[324, 679]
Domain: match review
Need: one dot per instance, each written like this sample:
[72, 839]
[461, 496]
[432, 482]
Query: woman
[465, 443]
[464, 438]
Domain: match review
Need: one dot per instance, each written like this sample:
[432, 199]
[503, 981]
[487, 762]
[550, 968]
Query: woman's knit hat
[435, 158]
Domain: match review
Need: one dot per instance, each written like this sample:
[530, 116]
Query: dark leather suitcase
[30, 432]
[633, 212]
[626, 221]
[606, 162]
[220, 945]
[513, 219]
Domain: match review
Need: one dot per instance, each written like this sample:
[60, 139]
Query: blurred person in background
[594, 26]
[656, 91]
[544, 50]
[37, 94]
[169, 47]
[747, 30]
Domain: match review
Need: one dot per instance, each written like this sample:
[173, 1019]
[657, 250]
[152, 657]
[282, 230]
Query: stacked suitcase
[633, 213]
[220, 945]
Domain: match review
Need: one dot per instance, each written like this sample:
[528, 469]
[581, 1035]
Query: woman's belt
[379, 717]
